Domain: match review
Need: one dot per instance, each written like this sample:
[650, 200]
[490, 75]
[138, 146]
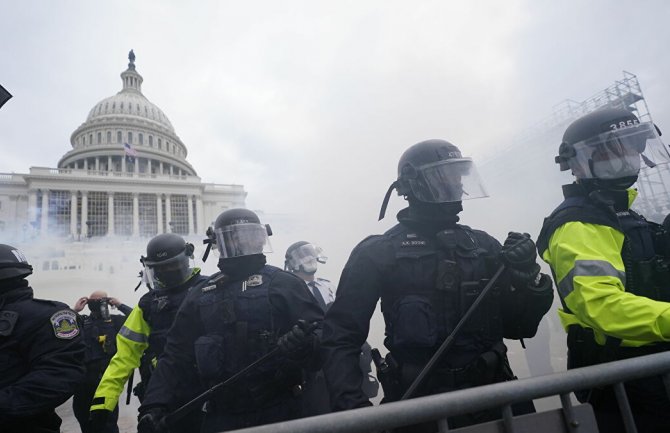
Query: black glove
[152, 420]
[97, 419]
[297, 343]
[519, 254]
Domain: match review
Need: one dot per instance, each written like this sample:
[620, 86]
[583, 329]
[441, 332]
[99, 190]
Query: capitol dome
[127, 132]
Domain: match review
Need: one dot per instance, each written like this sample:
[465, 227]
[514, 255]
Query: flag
[4, 96]
[130, 152]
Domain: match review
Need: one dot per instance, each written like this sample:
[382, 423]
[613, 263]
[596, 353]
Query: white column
[97, 163]
[200, 216]
[159, 214]
[137, 165]
[73, 214]
[160, 167]
[32, 206]
[110, 167]
[136, 214]
[191, 228]
[85, 163]
[84, 214]
[44, 226]
[171, 169]
[148, 166]
[110, 214]
[123, 164]
[168, 214]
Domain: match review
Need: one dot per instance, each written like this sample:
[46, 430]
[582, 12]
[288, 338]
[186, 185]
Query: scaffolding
[653, 183]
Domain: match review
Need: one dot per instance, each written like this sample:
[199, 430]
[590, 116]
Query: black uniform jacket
[175, 379]
[398, 266]
[41, 360]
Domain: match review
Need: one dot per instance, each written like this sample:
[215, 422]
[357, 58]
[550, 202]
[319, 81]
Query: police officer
[41, 350]
[611, 264]
[239, 315]
[428, 270]
[142, 338]
[302, 258]
[99, 331]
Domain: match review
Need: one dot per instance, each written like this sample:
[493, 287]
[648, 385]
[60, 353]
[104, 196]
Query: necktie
[317, 294]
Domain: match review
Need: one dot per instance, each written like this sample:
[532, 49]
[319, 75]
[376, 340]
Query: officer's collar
[426, 224]
[618, 200]
[17, 293]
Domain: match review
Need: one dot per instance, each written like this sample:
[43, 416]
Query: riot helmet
[304, 257]
[434, 171]
[167, 261]
[13, 264]
[239, 232]
[607, 148]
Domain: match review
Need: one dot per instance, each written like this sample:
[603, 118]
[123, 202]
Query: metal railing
[439, 407]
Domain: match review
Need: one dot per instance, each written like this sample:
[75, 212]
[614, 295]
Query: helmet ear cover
[189, 249]
[565, 152]
[268, 229]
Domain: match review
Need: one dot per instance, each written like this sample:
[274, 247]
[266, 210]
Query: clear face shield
[168, 273]
[306, 256]
[447, 181]
[242, 240]
[619, 153]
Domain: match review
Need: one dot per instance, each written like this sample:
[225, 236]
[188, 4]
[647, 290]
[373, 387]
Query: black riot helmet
[13, 264]
[605, 148]
[303, 256]
[434, 171]
[167, 261]
[239, 232]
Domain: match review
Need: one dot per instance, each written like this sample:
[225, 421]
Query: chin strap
[382, 211]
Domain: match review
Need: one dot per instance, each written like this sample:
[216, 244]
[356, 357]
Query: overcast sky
[310, 104]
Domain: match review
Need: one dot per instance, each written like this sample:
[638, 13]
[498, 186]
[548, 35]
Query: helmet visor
[619, 153]
[447, 181]
[306, 256]
[168, 273]
[242, 240]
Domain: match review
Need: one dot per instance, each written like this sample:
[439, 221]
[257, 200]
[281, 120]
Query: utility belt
[489, 367]
[258, 392]
[583, 350]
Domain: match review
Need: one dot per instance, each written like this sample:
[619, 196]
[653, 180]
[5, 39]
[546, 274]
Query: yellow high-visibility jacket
[131, 342]
[590, 277]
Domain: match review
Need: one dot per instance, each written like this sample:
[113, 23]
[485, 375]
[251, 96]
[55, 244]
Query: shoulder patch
[65, 324]
[255, 280]
[208, 288]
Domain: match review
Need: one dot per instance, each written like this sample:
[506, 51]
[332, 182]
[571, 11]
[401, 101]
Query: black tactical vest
[430, 286]
[238, 325]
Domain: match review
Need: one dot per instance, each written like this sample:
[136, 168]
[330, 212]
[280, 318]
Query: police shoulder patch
[65, 324]
[254, 280]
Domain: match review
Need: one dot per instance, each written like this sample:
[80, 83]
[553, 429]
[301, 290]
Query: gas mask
[100, 307]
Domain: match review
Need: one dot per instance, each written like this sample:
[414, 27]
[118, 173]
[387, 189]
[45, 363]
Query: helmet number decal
[623, 125]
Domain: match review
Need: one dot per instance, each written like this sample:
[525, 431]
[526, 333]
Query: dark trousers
[649, 404]
[81, 406]
[46, 422]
